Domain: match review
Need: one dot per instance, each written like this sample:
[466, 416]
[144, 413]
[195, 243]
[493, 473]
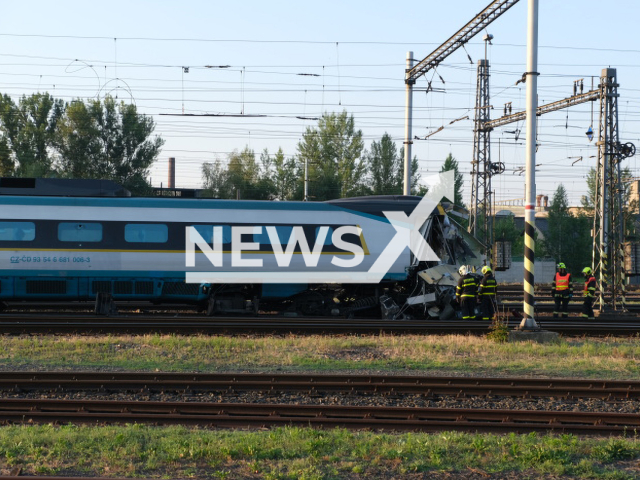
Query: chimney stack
[172, 172]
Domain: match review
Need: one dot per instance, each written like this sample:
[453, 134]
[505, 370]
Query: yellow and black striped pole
[528, 322]
[529, 259]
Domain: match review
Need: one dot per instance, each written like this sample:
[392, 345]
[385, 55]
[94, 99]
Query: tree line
[334, 154]
[41, 136]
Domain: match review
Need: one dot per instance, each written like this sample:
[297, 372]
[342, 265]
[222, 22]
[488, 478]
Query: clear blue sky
[136, 50]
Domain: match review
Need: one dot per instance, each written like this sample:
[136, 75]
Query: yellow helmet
[586, 270]
[486, 269]
[561, 266]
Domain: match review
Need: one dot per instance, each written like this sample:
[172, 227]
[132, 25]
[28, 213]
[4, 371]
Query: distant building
[515, 208]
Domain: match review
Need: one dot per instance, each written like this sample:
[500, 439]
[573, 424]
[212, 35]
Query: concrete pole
[528, 322]
[407, 126]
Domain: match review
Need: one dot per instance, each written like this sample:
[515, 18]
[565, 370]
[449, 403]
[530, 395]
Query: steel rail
[614, 324]
[241, 415]
[313, 384]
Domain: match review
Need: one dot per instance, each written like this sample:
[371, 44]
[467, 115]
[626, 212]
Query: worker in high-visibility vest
[466, 292]
[487, 294]
[562, 291]
[589, 294]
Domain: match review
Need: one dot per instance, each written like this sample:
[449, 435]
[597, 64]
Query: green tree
[589, 199]
[505, 230]
[43, 136]
[333, 151]
[451, 163]
[7, 165]
[244, 174]
[417, 188]
[385, 167]
[243, 178]
[559, 224]
[285, 176]
[215, 181]
[629, 205]
[567, 239]
[126, 149]
[27, 130]
[78, 139]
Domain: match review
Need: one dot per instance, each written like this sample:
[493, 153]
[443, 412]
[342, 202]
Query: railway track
[566, 388]
[242, 415]
[48, 323]
[265, 415]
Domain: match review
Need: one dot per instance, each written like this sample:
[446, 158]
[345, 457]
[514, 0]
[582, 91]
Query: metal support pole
[481, 202]
[407, 125]
[306, 179]
[608, 221]
[528, 322]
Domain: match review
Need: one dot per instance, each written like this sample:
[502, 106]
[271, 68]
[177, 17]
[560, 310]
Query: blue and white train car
[72, 240]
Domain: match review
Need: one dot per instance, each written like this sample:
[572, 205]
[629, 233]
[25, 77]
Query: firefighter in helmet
[487, 291]
[589, 294]
[562, 291]
[466, 292]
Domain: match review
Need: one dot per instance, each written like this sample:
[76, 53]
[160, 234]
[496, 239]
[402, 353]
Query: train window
[283, 231]
[327, 239]
[206, 232]
[17, 231]
[146, 233]
[79, 232]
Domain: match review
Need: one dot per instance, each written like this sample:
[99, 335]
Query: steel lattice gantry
[608, 221]
[483, 19]
[481, 204]
[608, 227]
[478, 23]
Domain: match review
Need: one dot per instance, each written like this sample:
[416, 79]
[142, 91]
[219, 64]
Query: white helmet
[463, 270]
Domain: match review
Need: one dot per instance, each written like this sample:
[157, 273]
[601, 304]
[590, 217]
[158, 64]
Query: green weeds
[284, 453]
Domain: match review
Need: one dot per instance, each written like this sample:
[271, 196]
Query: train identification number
[47, 259]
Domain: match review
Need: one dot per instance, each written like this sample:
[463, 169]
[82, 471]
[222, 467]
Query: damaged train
[75, 240]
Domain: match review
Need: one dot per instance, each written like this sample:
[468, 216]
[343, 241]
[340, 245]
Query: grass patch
[614, 358]
[288, 453]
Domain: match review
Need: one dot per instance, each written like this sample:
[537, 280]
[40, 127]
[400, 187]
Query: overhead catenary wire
[332, 82]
